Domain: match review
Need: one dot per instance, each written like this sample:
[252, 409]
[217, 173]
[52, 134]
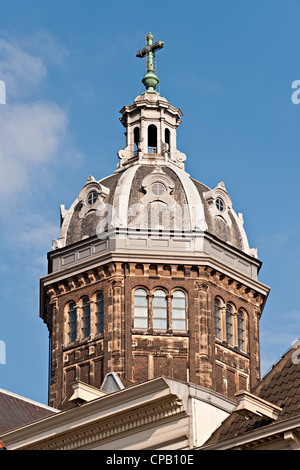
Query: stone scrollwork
[96, 190]
[179, 158]
[158, 176]
[124, 155]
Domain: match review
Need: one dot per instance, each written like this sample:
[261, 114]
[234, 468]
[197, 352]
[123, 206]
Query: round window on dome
[92, 198]
[158, 189]
[220, 204]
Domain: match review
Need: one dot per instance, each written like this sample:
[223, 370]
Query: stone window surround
[79, 316]
[169, 297]
[223, 331]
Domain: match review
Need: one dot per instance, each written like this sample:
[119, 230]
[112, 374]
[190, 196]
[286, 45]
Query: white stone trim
[122, 194]
[195, 205]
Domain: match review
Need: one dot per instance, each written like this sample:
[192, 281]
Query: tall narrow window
[159, 310]
[241, 329]
[167, 136]
[229, 324]
[99, 314]
[178, 310]
[136, 137]
[152, 139]
[140, 309]
[167, 139]
[72, 322]
[218, 318]
[85, 318]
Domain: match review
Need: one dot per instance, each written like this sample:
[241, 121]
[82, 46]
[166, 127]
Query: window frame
[160, 315]
[71, 334]
[85, 317]
[146, 307]
[242, 332]
[229, 329]
[99, 313]
[219, 318]
[179, 319]
[230, 333]
[164, 307]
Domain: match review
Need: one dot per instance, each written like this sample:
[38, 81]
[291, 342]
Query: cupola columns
[151, 123]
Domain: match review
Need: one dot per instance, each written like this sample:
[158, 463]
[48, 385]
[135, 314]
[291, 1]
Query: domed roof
[150, 191]
[153, 198]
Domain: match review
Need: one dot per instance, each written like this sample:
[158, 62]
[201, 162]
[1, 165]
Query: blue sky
[69, 67]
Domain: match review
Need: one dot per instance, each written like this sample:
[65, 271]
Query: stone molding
[116, 427]
[204, 276]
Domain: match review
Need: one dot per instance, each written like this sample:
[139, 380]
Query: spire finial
[150, 80]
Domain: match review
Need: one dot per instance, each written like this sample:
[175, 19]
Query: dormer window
[92, 198]
[158, 189]
[220, 204]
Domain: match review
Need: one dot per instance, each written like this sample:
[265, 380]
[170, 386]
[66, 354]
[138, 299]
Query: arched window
[152, 139]
[160, 311]
[241, 329]
[140, 306]
[167, 136]
[178, 310]
[136, 135]
[218, 318]
[85, 318]
[136, 138]
[72, 322]
[99, 314]
[229, 324]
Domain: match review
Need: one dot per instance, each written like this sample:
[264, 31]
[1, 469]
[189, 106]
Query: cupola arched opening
[136, 137]
[152, 139]
[167, 136]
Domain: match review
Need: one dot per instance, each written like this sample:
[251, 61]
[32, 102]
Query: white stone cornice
[117, 426]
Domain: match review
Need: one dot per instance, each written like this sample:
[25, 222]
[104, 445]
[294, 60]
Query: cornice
[123, 400]
[87, 273]
[114, 427]
[144, 257]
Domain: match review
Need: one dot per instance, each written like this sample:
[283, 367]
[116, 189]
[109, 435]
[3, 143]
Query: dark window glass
[72, 322]
[85, 319]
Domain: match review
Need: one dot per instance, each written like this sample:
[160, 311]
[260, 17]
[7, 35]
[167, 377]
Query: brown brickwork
[138, 355]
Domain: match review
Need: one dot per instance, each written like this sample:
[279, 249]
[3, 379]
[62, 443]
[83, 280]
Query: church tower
[152, 273]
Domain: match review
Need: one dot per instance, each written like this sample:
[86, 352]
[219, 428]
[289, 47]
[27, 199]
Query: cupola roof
[150, 192]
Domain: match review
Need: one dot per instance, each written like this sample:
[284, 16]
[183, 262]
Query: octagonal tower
[152, 273]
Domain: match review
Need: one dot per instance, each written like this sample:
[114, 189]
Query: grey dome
[150, 190]
[151, 197]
